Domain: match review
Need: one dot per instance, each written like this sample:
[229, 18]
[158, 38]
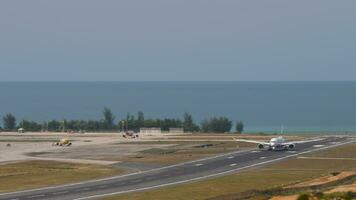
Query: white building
[150, 131]
[176, 130]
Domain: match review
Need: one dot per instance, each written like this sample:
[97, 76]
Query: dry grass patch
[35, 174]
[347, 151]
[181, 152]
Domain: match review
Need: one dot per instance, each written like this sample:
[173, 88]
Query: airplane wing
[303, 141]
[251, 141]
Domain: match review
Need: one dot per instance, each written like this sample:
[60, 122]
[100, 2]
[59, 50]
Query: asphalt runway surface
[175, 174]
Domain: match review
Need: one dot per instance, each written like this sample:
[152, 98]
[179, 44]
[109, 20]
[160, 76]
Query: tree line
[131, 122]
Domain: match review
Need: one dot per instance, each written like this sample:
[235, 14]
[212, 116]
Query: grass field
[183, 151]
[276, 175]
[34, 174]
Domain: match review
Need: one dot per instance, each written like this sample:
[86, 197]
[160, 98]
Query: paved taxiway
[176, 174]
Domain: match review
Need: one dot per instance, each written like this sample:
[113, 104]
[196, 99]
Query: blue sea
[263, 106]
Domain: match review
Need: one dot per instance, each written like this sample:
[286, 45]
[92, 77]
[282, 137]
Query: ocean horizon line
[180, 81]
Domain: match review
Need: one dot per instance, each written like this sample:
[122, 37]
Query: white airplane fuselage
[278, 143]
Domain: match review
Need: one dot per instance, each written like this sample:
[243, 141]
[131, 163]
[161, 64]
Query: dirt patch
[324, 180]
[343, 188]
[291, 197]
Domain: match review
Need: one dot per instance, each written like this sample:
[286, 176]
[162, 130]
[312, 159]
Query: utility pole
[63, 126]
[123, 126]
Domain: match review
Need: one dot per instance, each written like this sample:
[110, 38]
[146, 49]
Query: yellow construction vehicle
[63, 142]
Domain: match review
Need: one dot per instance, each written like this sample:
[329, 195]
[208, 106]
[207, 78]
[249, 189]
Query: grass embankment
[182, 151]
[35, 174]
[276, 175]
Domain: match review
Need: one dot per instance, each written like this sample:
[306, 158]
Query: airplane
[278, 143]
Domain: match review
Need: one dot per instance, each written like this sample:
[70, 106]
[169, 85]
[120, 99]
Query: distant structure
[158, 131]
[21, 130]
[150, 131]
[176, 130]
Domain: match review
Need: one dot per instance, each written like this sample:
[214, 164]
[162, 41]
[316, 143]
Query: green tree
[150, 123]
[167, 123]
[53, 125]
[188, 123]
[92, 125]
[30, 125]
[9, 122]
[130, 122]
[140, 119]
[216, 125]
[239, 127]
[108, 119]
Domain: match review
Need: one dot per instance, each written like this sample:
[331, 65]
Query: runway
[175, 174]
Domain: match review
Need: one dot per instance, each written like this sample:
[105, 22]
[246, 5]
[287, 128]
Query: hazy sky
[118, 40]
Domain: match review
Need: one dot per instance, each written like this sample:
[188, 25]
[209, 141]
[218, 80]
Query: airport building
[150, 131]
[158, 131]
[176, 130]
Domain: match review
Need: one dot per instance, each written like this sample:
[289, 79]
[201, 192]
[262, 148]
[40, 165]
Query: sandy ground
[33, 143]
[343, 188]
[320, 181]
[291, 197]
[324, 180]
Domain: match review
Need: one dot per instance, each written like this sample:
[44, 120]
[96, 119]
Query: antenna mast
[282, 129]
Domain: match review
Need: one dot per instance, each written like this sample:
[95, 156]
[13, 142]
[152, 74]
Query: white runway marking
[291, 151]
[262, 157]
[199, 164]
[103, 186]
[318, 145]
[255, 151]
[334, 142]
[231, 157]
[234, 164]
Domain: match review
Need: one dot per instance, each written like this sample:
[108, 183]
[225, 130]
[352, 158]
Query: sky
[177, 40]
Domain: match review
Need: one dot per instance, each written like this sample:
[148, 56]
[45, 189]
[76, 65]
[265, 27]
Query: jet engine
[260, 146]
[291, 146]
